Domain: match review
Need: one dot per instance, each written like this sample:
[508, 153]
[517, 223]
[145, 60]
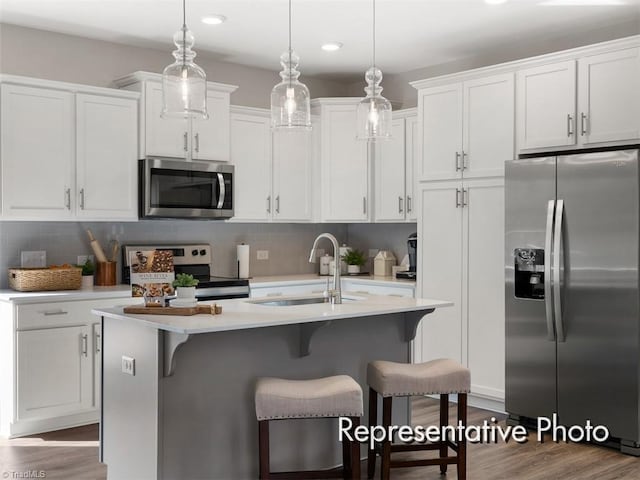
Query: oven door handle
[222, 191]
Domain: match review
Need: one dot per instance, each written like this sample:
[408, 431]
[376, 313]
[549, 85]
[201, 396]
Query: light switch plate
[33, 259]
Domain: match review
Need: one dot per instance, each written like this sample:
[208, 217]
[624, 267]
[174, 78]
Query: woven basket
[34, 279]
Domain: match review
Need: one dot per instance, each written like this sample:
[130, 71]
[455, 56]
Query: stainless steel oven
[171, 188]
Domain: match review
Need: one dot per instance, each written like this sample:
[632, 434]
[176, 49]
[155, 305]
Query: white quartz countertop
[96, 293]
[300, 279]
[242, 313]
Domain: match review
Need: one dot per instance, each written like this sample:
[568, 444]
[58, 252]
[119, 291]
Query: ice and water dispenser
[529, 273]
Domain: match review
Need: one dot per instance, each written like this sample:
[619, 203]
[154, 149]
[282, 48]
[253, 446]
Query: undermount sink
[288, 302]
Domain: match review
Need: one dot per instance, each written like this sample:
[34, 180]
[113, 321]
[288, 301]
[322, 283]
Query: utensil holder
[106, 274]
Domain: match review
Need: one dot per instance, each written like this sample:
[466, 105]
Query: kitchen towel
[243, 260]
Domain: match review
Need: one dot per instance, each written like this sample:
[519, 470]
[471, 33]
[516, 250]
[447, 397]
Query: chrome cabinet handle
[197, 142]
[97, 339]
[85, 344]
[583, 124]
[465, 160]
[551, 334]
[364, 205]
[278, 204]
[409, 206]
[465, 197]
[269, 204]
[185, 141]
[400, 201]
[82, 198]
[49, 313]
[557, 246]
[569, 125]
[67, 198]
[457, 198]
[457, 161]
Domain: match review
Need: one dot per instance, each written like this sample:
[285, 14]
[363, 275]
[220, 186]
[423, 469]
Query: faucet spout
[336, 294]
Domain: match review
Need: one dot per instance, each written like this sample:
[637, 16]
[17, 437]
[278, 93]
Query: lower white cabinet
[461, 240]
[349, 286]
[52, 361]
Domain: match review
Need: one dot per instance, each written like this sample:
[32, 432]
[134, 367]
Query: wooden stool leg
[444, 420]
[373, 420]
[263, 448]
[386, 444]
[462, 444]
[355, 451]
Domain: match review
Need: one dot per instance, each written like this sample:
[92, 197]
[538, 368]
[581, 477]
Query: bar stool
[337, 396]
[391, 379]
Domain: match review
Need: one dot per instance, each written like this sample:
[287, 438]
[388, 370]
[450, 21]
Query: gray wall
[55, 56]
[381, 236]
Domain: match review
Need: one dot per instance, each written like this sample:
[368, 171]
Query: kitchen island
[187, 411]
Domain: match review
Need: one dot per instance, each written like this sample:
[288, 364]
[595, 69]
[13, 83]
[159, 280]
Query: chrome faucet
[335, 295]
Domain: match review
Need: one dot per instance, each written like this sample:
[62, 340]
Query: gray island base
[188, 412]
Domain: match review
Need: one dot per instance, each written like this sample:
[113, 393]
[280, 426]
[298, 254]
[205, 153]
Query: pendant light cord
[374, 33]
[184, 33]
[289, 43]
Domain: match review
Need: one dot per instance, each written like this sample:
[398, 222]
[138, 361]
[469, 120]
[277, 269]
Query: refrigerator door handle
[557, 254]
[548, 297]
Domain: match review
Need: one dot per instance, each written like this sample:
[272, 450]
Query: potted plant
[354, 260]
[185, 285]
[88, 269]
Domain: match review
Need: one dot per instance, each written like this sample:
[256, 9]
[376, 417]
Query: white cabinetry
[393, 170]
[272, 169]
[344, 162]
[51, 354]
[461, 233]
[467, 128]
[68, 151]
[197, 139]
[608, 100]
[393, 289]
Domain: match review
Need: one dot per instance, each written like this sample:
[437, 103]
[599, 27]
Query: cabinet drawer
[287, 290]
[352, 287]
[61, 314]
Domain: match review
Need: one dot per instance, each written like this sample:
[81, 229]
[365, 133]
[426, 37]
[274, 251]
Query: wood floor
[72, 454]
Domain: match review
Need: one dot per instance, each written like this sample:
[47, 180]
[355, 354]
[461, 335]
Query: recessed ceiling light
[331, 46]
[214, 19]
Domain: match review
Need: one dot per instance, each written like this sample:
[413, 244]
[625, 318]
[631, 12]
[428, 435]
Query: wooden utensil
[97, 248]
[183, 311]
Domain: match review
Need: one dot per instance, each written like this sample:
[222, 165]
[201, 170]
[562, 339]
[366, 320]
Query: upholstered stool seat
[281, 399]
[442, 377]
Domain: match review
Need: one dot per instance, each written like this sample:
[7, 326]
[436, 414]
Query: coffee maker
[412, 249]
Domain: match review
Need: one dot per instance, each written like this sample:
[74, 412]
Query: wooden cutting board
[140, 309]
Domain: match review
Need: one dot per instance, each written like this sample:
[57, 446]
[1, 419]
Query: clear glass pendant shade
[290, 99]
[184, 84]
[374, 111]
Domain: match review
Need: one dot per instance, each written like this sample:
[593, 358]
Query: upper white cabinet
[272, 169]
[197, 139]
[467, 128]
[608, 101]
[393, 170]
[344, 162]
[68, 151]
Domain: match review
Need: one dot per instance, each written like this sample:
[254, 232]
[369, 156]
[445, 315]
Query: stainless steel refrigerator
[572, 298]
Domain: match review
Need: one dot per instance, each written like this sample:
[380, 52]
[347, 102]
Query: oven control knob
[203, 252]
[194, 252]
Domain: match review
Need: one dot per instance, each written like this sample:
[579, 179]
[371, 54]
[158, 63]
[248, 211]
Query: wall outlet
[262, 254]
[128, 365]
[373, 252]
[82, 259]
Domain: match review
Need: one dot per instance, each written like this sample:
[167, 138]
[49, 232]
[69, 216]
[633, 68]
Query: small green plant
[185, 280]
[88, 268]
[354, 257]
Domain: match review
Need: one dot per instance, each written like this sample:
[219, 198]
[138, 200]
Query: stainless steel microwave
[172, 188]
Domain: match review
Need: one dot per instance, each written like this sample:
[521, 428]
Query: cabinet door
[411, 165]
[389, 173]
[547, 105]
[37, 152]
[54, 373]
[609, 96]
[441, 118]
[483, 286]
[292, 182]
[97, 364]
[488, 127]
[107, 144]
[251, 156]
[167, 137]
[345, 167]
[440, 269]
[210, 137]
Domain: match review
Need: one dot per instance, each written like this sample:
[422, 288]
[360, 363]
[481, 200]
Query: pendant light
[184, 84]
[374, 111]
[290, 99]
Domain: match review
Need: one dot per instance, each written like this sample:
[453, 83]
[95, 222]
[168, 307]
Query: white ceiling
[410, 34]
